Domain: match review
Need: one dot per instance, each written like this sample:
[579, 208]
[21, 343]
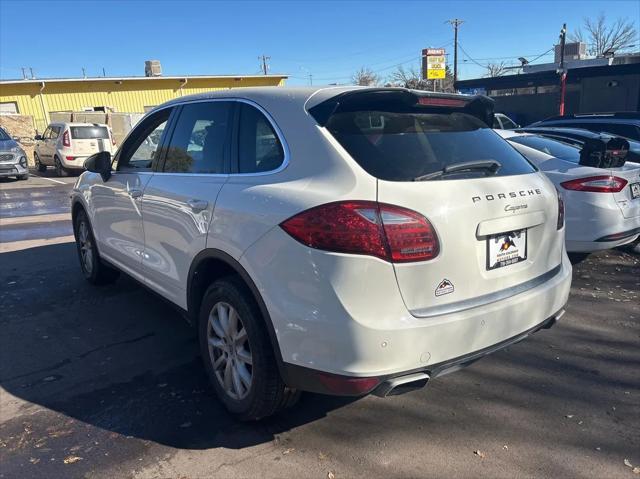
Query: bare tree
[412, 78]
[496, 69]
[601, 36]
[365, 77]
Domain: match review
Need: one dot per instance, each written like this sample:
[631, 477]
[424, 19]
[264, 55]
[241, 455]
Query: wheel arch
[212, 264]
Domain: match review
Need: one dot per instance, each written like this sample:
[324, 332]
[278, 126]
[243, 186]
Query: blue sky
[329, 39]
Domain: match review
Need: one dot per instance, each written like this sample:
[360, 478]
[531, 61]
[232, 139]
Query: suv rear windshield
[89, 132]
[403, 146]
[556, 148]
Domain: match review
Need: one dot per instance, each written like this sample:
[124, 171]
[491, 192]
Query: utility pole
[265, 65]
[84, 73]
[32, 75]
[455, 23]
[24, 74]
[562, 70]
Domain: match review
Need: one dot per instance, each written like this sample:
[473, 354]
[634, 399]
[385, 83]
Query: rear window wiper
[490, 166]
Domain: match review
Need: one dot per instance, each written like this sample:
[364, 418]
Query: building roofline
[137, 78]
[548, 77]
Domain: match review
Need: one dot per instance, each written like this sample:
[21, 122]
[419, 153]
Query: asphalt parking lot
[106, 382]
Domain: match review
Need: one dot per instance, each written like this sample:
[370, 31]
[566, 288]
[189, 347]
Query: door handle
[197, 205]
[135, 193]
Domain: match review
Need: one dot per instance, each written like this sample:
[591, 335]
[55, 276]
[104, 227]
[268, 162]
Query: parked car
[66, 146]
[13, 159]
[625, 124]
[337, 240]
[578, 137]
[503, 122]
[602, 203]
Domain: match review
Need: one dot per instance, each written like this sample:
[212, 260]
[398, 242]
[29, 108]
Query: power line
[380, 70]
[476, 60]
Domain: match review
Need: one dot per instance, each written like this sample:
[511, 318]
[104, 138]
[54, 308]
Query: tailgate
[472, 218]
[628, 199]
[88, 140]
[88, 147]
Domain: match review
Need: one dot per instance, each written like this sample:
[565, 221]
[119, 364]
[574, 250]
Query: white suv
[338, 240]
[66, 146]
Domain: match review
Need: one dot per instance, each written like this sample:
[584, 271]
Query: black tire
[93, 269]
[267, 393]
[39, 165]
[23, 177]
[577, 258]
[60, 170]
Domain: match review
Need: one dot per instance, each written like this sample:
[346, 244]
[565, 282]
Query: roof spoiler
[403, 100]
[604, 153]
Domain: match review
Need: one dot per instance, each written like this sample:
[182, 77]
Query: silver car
[13, 159]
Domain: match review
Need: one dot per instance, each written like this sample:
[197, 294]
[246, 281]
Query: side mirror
[99, 163]
[37, 137]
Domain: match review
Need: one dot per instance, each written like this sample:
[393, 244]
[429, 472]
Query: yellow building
[38, 98]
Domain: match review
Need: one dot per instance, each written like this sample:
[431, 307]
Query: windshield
[89, 132]
[3, 135]
[556, 148]
[407, 145]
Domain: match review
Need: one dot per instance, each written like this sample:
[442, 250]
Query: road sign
[434, 63]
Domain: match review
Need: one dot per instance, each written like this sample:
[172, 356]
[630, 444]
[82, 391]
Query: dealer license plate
[507, 248]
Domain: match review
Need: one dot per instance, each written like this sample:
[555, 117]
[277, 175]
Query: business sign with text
[434, 63]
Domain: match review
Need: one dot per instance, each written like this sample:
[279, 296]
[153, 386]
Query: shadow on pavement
[116, 357]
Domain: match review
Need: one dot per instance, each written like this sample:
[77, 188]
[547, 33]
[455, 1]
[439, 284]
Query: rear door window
[259, 148]
[55, 132]
[200, 138]
[556, 148]
[402, 146]
[89, 132]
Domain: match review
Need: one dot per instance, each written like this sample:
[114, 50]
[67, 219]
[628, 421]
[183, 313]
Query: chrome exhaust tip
[401, 385]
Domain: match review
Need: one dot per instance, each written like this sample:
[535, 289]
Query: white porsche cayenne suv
[337, 240]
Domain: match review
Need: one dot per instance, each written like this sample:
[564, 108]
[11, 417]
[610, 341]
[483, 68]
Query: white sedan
[602, 204]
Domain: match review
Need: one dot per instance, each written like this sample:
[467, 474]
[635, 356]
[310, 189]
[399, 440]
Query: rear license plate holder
[507, 248]
[635, 190]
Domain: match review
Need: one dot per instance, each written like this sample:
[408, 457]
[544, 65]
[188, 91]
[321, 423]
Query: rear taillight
[65, 138]
[388, 232]
[596, 184]
[560, 210]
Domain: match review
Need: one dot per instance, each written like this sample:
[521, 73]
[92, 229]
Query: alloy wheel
[229, 351]
[86, 247]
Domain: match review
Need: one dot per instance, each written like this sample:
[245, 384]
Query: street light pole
[563, 72]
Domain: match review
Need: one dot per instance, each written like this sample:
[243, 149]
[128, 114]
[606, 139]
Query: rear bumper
[311, 380]
[601, 243]
[596, 223]
[343, 315]
[76, 164]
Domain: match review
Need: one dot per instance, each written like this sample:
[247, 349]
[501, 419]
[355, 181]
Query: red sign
[427, 52]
